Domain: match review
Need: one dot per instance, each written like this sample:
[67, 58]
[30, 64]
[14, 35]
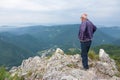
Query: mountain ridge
[39, 38]
[8, 51]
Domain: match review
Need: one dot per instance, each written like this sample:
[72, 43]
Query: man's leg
[88, 46]
[84, 54]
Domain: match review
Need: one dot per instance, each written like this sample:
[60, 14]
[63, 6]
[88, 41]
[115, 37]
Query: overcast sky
[100, 12]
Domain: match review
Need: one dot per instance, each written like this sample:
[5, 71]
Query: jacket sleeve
[82, 30]
[94, 28]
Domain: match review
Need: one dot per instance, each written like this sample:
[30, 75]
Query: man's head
[83, 17]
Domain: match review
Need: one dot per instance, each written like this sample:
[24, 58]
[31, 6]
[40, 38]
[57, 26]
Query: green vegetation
[5, 75]
[72, 65]
[92, 55]
[117, 60]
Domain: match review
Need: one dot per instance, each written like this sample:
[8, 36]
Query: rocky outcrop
[106, 65]
[66, 67]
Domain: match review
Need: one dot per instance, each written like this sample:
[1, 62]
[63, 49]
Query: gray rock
[66, 67]
[103, 56]
[106, 68]
[106, 64]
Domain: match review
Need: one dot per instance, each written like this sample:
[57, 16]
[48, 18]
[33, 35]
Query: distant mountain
[27, 41]
[112, 31]
[36, 38]
[110, 49]
[101, 37]
[117, 42]
[11, 55]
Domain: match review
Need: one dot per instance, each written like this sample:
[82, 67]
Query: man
[87, 29]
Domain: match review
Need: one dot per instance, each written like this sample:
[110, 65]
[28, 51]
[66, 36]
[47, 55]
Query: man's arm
[94, 28]
[83, 26]
[82, 30]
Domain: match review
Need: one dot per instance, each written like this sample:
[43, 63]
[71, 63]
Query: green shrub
[117, 60]
[92, 55]
[5, 75]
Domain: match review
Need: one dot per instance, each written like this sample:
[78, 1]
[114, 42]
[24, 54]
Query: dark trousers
[84, 54]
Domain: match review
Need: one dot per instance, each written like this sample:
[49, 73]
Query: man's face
[81, 19]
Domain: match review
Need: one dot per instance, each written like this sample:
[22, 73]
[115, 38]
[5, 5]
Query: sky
[52, 12]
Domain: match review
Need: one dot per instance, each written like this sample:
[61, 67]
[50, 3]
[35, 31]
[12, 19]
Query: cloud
[58, 11]
[32, 5]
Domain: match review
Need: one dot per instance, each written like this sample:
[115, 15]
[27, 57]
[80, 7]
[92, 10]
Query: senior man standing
[87, 29]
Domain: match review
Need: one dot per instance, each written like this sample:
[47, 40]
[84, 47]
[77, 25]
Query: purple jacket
[87, 29]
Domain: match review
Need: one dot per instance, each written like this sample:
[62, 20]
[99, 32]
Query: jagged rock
[103, 56]
[68, 78]
[106, 65]
[106, 68]
[46, 53]
[59, 51]
[31, 64]
[66, 67]
[14, 70]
